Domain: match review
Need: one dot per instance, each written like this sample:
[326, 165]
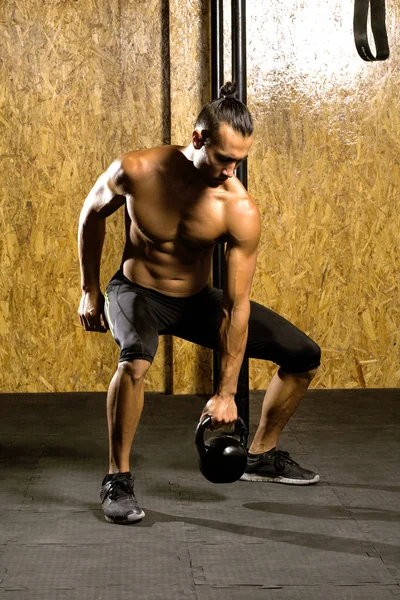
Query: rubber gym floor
[338, 539]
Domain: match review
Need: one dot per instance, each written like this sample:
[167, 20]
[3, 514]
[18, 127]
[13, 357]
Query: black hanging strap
[378, 26]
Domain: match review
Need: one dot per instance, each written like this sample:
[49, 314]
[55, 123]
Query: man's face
[218, 159]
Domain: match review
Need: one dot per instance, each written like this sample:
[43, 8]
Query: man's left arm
[241, 254]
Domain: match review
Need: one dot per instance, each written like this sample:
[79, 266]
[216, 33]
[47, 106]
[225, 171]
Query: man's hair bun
[228, 90]
[225, 109]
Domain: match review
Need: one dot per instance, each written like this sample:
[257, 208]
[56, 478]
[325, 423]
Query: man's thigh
[200, 319]
[130, 320]
[272, 337]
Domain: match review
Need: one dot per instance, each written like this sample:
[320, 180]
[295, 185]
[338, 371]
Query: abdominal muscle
[169, 272]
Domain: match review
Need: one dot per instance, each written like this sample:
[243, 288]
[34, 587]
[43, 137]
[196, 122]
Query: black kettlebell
[223, 458]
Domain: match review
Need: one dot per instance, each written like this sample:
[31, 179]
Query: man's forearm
[90, 245]
[232, 346]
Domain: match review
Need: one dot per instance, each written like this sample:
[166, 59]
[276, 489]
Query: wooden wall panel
[60, 78]
[325, 172]
[190, 90]
[70, 103]
[82, 82]
[145, 111]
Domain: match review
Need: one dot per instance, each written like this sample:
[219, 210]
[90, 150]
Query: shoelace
[282, 458]
[120, 487]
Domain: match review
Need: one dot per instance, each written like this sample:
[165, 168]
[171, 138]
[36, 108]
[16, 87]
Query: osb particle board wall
[77, 90]
[85, 81]
[325, 172]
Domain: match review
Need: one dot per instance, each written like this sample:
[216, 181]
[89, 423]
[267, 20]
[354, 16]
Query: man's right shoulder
[141, 162]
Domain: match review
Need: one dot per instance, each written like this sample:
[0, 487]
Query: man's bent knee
[312, 357]
[305, 361]
[135, 369]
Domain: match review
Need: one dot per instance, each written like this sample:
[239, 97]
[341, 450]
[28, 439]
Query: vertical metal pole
[217, 79]
[217, 47]
[239, 75]
[166, 139]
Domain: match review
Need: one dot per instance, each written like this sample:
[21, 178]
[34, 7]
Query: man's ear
[199, 138]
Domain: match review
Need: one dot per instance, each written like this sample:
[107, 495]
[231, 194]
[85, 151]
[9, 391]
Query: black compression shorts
[137, 316]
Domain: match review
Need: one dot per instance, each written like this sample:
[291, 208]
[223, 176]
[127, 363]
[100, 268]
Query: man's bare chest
[175, 222]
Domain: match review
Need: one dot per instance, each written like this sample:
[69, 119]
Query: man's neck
[188, 151]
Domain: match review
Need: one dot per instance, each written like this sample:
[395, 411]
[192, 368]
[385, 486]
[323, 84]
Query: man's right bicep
[104, 198]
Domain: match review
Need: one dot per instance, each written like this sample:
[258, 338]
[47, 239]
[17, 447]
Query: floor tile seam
[285, 536]
[33, 475]
[32, 468]
[394, 569]
[366, 534]
[194, 576]
[324, 585]
[83, 436]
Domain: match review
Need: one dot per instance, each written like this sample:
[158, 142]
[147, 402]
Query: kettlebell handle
[205, 422]
[241, 430]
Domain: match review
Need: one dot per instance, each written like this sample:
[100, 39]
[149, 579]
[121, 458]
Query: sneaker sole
[134, 519]
[265, 478]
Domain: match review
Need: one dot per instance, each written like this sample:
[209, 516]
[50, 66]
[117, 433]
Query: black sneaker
[118, 499]
[276, 466]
